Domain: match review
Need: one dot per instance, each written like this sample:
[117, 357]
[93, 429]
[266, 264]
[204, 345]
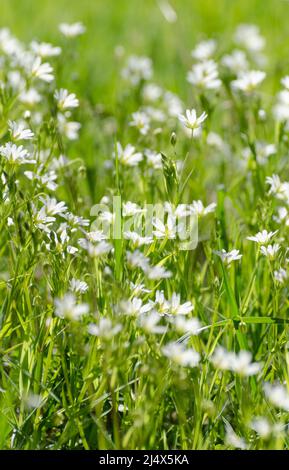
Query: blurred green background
[141, 28]
[89, 68]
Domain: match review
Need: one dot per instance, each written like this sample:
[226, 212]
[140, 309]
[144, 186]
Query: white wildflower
[204, 49]
[248, 36]
[278, 395]
[240, 363]
[65, 100]
[43, 71]
[263, 237]
[127, 156]
[18, 131]
[150, 323]
[270, 251]
[66, 307]
[198, 208]
[248, 81]
[236, 62]
[177, 353]
[45, 49]
[137, 69]
[78, 286]
[141, 122]
[228, 256]
[233, 440]
[205, 75]
[184, 325]
[177, 308]
[72, 30]
[104, 329]
[191, 121]
[14, 154]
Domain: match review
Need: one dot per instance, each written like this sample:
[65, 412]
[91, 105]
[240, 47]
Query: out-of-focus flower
[177, 353]
[66, 307]
[205, 75]
[72, 30]
[249, 81]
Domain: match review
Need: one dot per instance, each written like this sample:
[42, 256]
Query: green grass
[62, 387]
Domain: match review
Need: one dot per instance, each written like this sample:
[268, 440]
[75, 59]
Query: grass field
[141, 340]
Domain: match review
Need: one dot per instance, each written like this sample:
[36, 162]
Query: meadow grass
[135, 342]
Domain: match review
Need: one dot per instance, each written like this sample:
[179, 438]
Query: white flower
[45, 179]
[33, 400]
[177, 353]
[154, 159]
[158, 272]
[30, 97]
[228, 257]
[19, 132]
[270, 251]
[278, 395]
[149, 323]
[233, 440]
[45, 49]
[43, 71]
[204, 49]
[263, 151]
[173, 103]
[130, 208]
[127, 156]
[262, 238]
[261, 426]
[141, 121]
[72, 30]
[66, 307]
[160, 303]
[281, 109]
[151, 92]
[137, 239]
[14, 154]
[78, 286]
[205, 75]
[191, 121]
[68, 128]
[163, 230]
[176, 308]
[197, 207]
[215, 140]
[104, 329]
[65, 100]
[96, 251]
[277, 188]
[281, 275]
[248, 81]
[239, 363]
[285, 82]
[137, 260]
[139, 288]
[248, 36]
[137, 69]
[236, 61]
[242, 364]
[134, 307]
[184, 325]
[52, 206]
